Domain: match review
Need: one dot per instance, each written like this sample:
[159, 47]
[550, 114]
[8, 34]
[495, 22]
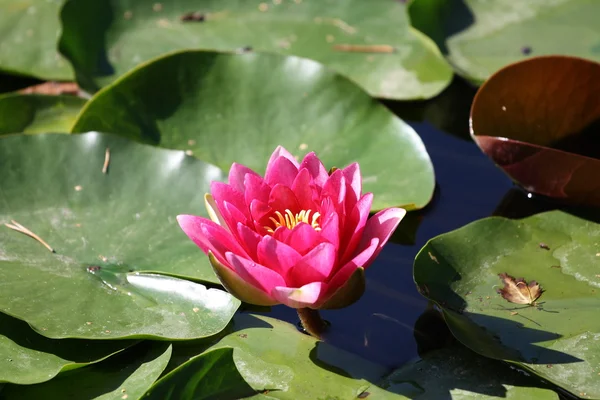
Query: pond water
[381, 325]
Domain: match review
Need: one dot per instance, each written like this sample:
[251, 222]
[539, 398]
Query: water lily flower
[298, 236]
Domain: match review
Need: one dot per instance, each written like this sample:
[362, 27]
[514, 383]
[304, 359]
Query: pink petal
[281, 152]
[304, 296]
[283, 198]
[276, 255]
[256, 189]
[255, 274]
[221, 241]
[335, 189]
[302, 238]
[237, 175]
[260, 212]
[330, 229]
[353, 185]
[238, 287]
[380, 226]
[353, 178]
[343, 274]
[249, 239]
[303, 189]
[208, 236]
[315, 266]
[354, 226]
[316, 169]
[281, 171]
[232, 216]
[223, 192]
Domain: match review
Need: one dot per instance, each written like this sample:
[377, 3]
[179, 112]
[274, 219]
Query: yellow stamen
[289, 220]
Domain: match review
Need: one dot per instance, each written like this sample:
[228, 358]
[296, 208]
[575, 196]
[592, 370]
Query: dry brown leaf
[518, 291]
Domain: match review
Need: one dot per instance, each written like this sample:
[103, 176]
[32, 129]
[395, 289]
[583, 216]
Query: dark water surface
[381, 326]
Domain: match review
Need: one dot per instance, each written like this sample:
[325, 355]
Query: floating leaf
[372, 44]
[38, 113]
[124, 376]
[20, 345]
[480, 37]
[111, 232]
[227, 108]
[518, 291]
[273, 356]
[212, 375]
[458, 373]
[545, 138]
[559, 340]
[30, 31]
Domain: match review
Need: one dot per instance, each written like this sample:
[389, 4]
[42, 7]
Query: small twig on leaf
[14, 225]
[106, 161]
[362, 48]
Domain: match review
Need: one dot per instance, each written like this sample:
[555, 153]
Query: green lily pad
[124, 376]
[457, 373]
[481, 36]
[240, 107]
[106, 229]
[29, 113]
[556, 337]
[106, 38]
[273, 356]
[30, 30]
[27, 357]
[212, 375]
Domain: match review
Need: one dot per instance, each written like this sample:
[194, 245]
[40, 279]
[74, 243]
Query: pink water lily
[299, 236]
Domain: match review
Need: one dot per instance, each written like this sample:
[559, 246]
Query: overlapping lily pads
[38, 113]
[557, 336]
[457, 373]
[105, 229]
[272, 356]
[239, 107]
[124, 376]
[27, 357]
[30, 30]
[212, 375]
[372, 44]
[481, 36]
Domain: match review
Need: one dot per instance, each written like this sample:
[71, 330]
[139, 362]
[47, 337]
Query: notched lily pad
[372, 44]
[539, 121]
[26, 357]
[225, 108]
[124, 376]
[480, 37]
[111, 234]
[558, 340]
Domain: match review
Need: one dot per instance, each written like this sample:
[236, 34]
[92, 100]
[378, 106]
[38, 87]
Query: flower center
[289, 220]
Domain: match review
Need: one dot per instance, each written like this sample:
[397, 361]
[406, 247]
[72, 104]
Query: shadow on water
[448, 112]
[517, 203]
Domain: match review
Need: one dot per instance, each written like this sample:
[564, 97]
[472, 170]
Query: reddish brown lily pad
[539, 120]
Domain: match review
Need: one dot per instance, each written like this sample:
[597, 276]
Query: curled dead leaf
[518, 291]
